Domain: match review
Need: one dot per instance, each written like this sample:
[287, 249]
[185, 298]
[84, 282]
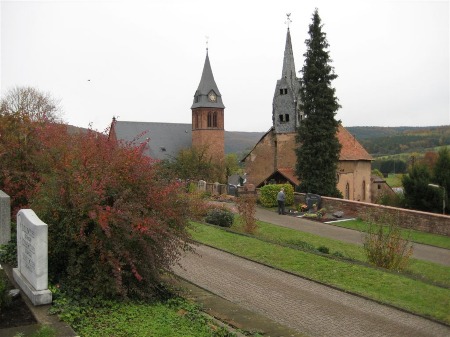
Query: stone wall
[260, 163]
[422, 221]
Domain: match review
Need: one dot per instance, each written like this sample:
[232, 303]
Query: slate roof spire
[288, 62]
[286, 114]
[206, 85]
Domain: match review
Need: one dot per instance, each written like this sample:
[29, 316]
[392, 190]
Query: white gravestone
[32, 257]
[5, 218]
[201, 185]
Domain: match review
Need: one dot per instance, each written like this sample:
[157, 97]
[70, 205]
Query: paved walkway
[306, 306]
[422, 252]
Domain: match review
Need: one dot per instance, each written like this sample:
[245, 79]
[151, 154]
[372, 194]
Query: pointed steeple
[207, 94]
[286, 115]
[288, 61]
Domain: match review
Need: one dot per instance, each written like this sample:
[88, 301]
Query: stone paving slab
[306, 306]
[230, 313]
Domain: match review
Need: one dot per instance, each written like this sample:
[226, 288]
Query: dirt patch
[15, 315]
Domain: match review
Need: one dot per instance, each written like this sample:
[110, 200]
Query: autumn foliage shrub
[384, 245]
[246, 205]
[114, 224]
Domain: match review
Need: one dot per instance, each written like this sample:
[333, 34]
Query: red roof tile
[289, 174]
[351, 148]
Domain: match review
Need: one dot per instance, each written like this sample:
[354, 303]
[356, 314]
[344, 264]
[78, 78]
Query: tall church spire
[286, 115]
[288, 61]
[208, 116]
[207, 94]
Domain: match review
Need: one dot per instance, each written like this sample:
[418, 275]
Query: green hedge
[268, 197]
[220, 217]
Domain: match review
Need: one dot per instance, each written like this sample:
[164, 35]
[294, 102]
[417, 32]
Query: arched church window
[347, 191]
[197, 121]
[364, 190]
[210, 119]
[214, 124]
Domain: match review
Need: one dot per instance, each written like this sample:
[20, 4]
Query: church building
[273, 158]
[165, 140]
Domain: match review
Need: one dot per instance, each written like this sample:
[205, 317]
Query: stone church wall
[209, 137]
[260, 162]
[286, 157]
[357, 175]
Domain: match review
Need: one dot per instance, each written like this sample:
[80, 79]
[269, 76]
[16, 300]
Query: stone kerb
[5, 218]
[32, 257]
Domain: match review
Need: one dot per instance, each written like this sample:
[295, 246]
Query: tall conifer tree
[318, 148]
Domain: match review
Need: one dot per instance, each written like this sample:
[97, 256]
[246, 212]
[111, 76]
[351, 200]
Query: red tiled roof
[289, 174]
[351, 148]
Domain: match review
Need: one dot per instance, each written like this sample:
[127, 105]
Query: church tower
[208, 116]
[286, 115]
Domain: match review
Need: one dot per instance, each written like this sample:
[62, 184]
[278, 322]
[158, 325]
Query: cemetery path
[421, 252]
[308, 307]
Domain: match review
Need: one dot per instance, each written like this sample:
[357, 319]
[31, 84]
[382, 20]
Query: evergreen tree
[418, 195]
[318, 147]
[441, 174]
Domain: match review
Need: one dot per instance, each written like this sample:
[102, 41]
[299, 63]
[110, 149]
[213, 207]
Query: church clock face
[212, 97]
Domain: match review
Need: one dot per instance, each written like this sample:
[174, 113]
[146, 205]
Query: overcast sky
[142, 60]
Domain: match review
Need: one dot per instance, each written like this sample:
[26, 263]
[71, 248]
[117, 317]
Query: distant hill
[377, 140]
[380, 141]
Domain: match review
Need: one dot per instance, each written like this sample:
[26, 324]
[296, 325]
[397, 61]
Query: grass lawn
[415, 236]
[391, 288]
[425, 270]
[175, 318]
[394, 180]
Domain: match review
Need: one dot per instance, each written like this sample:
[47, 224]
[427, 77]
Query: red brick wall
[213, 139]
[421, 221]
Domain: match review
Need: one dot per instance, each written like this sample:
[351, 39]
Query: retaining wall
[421, 221]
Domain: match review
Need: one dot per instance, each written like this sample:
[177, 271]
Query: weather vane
[288, 20]
[207, 38]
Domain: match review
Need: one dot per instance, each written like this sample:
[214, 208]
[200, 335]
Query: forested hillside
[379, 141]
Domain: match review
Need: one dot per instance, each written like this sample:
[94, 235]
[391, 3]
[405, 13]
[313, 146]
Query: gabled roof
[165, 140]
[351, 148]
[289, 174]
[286, 173]
[263, 136]
[205, 86]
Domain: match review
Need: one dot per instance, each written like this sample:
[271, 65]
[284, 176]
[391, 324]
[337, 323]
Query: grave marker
[5, 218]
[32, 257]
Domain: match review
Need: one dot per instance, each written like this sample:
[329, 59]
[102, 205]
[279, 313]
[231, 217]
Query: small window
[210, 121]
[286, 117]
[283, 91]
[364, 190]
[281, 117]
[214, 123]
[163, 149]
